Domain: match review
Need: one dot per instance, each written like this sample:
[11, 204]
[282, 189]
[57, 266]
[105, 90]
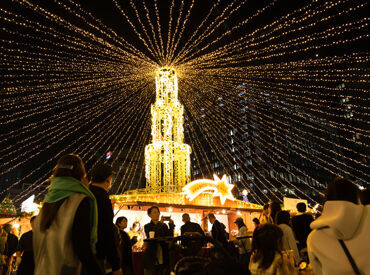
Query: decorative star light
[220, 187]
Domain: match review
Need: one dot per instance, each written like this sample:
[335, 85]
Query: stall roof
[179, 200]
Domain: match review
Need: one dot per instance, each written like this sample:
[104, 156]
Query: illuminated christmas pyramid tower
[167, 158]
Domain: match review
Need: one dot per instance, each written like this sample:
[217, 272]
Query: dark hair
[301, 207]
[33, 218]
[265, 243]
[365, 196]
[101, 172]
[119, 220]
[67, 166]
[241, 224]
[341, 189]
[211, 215]
[283, 217]
[275, 208]
[70, 166]
[257, 221]
[266, 206]
[151, 209]
[186, 215]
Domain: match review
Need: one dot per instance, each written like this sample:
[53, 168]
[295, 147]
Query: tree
[7, 207]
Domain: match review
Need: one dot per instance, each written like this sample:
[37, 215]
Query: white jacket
[340, 220]
[244, 245]
[53, 250]
[289, 242]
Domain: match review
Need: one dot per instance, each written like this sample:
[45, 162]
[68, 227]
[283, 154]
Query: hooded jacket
[340, 220]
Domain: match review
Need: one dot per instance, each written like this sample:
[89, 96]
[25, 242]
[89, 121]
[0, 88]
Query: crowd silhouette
[75, 234]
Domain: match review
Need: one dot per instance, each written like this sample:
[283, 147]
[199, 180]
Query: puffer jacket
[340, 220]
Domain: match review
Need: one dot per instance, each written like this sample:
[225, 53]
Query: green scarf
[62, 187]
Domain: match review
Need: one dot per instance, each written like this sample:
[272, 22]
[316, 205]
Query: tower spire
[167, 158]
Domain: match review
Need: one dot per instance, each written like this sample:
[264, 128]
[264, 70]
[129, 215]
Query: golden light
[167, 158]
[220, 187]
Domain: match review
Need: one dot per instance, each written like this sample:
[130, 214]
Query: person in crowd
[365, 196]
[137, 232]
[274, 208]
[125, 244]
[289, 242]
[65, 231]
[218, 231]
[257, 223]
[267, 257]
[25, 261]
[339, 242]
[265, 216]
[10, 247]
[226, 233]
[106, 247]
[190, 227]
[156, 256]
[3, 238]
[301, 225]
[244, 245]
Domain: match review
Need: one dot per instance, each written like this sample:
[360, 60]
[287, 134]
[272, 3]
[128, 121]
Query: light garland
[69, 78]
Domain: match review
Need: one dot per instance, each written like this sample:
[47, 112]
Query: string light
[70, 79]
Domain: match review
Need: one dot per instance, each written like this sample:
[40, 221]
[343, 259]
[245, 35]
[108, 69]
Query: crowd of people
[75, 234]
[336, 242]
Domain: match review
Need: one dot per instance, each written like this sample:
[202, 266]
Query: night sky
[35, 89]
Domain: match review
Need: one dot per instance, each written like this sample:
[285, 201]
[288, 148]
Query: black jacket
[219, 233]
[11, 245]
[106, 247]
[191, 227]
[126, 249]
[25, 245]
[149, 259]
[301, 228]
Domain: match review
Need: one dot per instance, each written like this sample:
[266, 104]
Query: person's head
[153, 213]
[274, 209]
[211, 218]
[365, 196]
[265, 210]
[121, 222]
[267, 240]
[67, 166]
[283, 217]
[8, 228]
[136, 226]
[239, 222]
[341, 189]
[301, 207]
[185, 218]
[102, 175]
[70, 166]
[32, 221]
[256, 222]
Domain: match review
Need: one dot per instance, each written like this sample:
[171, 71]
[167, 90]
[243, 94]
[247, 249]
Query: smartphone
[166, 218]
